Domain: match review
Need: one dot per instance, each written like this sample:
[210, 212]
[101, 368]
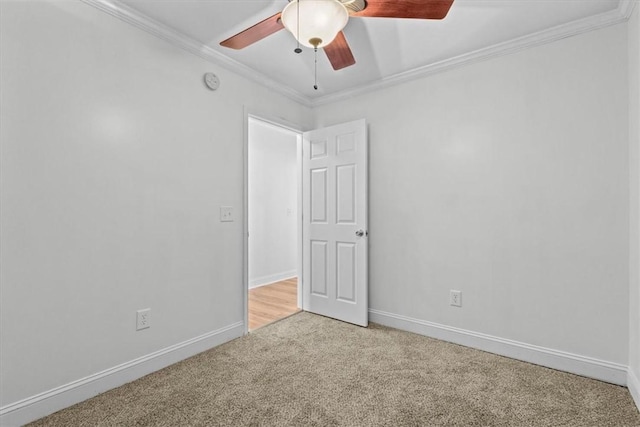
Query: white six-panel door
[334, 180]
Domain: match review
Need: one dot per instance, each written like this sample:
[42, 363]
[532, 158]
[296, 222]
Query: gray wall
[508, 180]
[115, 162]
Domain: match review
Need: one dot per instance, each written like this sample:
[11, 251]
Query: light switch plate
[226, 214]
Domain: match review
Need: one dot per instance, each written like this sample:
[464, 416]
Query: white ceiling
[382, 47]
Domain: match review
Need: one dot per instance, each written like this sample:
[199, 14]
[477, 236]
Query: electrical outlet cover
[455, 298]
[143, 319]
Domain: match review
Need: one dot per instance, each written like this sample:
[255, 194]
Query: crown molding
[615, 16]
[135, 18]
[626, 8]
[179, 40]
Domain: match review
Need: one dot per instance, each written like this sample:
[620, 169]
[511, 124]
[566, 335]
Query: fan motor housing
[352, 6]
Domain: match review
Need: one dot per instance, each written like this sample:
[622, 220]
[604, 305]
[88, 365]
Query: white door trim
[250, 113]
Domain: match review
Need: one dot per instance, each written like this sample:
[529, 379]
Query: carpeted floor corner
[308, 370]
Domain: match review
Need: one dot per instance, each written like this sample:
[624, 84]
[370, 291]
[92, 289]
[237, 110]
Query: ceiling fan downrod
[297, 49]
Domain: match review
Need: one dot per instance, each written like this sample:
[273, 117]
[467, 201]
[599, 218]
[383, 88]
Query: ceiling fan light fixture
[319, 20]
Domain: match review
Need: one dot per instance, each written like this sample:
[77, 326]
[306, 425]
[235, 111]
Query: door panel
[346, 256]
[318, 148]
[318, 270]
[335, 281]
[346, 181]
[319, 196]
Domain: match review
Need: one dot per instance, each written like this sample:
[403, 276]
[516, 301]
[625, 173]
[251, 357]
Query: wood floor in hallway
[272, 302]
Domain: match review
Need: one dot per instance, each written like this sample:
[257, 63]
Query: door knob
[360, 233]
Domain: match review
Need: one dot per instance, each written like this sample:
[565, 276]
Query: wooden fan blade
[339, 52]
[252, 34]
[417, 9]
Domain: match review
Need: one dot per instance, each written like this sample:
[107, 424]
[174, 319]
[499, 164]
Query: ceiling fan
[319, 23]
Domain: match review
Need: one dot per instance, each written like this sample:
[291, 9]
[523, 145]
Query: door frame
[250, 113]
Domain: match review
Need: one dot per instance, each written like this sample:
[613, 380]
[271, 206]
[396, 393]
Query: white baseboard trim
[272, 278]
[580, 365]
[40, 405]
[633, 384]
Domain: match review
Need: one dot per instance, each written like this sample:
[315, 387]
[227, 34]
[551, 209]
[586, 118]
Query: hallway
[272, 302]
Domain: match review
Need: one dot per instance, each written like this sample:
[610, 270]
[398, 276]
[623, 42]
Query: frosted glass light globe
[319, 19]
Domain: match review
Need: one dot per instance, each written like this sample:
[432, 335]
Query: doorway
[273, 222]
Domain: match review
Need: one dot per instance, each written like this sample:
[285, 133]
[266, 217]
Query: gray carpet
[308, 370]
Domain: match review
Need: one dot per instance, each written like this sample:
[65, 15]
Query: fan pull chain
[315, 68]
[315, 42]
[297, 49]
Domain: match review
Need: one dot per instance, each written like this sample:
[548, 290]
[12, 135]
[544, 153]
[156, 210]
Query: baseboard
[38, 406]
[633, 384]
[272, 278]
[580, 365]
